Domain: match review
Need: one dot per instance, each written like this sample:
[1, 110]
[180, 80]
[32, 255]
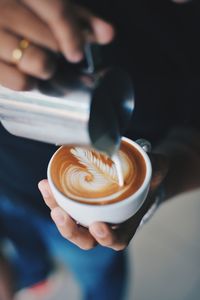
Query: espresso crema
[85, 175]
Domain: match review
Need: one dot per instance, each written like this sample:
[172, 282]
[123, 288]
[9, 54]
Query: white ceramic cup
[114, 213]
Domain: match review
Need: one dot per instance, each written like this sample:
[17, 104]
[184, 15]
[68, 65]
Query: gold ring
[18, 52]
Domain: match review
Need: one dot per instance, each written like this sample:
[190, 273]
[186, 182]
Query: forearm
[182, 147]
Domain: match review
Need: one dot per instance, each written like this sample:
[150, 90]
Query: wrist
[159, 197]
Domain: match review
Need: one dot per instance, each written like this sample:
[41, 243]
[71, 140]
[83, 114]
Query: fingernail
[100, 232]
[58, 216]
[76, 57]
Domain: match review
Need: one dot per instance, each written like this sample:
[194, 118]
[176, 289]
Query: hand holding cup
[115, 237]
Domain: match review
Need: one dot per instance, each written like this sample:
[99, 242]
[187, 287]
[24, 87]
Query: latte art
[93, 177]
[88, 176]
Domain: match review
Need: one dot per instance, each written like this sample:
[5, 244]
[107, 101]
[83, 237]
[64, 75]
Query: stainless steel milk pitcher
[84, 104]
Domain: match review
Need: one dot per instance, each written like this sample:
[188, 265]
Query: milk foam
[118, 165]
[94, 178]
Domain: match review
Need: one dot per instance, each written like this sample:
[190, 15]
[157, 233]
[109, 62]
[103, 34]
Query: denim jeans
[101, 272]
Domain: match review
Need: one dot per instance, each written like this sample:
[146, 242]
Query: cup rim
[125, 201]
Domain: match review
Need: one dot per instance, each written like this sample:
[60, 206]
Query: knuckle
[109, 241]
[65, 235]
[69, 235]
[41, 63]
[58, 9]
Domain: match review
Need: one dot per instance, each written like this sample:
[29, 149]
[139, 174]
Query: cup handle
[144, 144]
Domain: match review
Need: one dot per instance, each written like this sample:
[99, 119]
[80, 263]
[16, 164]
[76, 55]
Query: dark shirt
[160, 45]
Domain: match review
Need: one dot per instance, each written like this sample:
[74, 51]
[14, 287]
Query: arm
[182, 147]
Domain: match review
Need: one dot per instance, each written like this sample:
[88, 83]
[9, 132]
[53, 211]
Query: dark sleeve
[157, 42]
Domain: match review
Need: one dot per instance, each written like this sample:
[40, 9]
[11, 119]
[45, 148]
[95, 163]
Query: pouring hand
[49, 26]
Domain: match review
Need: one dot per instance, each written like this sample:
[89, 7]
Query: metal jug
[84, 104]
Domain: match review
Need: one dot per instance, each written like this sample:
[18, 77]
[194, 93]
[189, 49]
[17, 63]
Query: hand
[49, 26]
[117, 237]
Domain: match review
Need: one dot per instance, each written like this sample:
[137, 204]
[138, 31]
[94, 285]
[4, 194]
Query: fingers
[12, 78]
[51, 24]
[101, 233]
[67, 227]
[61, 18]
[47, 194]
[101, 32]
[65, 22]
[20, 20]
[35, 61]
[74, 233]
[16, 22]
[104, 32]
[115, 239]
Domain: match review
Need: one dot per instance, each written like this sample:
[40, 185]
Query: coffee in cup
[86, 183]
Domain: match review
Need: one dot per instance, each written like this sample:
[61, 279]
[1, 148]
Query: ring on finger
[18, 52]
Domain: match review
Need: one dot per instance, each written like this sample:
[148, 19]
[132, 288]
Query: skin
[51, 26]
[178, 168]
[101, 233]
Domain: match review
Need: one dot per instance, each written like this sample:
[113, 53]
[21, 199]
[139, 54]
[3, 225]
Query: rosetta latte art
[94, 178]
